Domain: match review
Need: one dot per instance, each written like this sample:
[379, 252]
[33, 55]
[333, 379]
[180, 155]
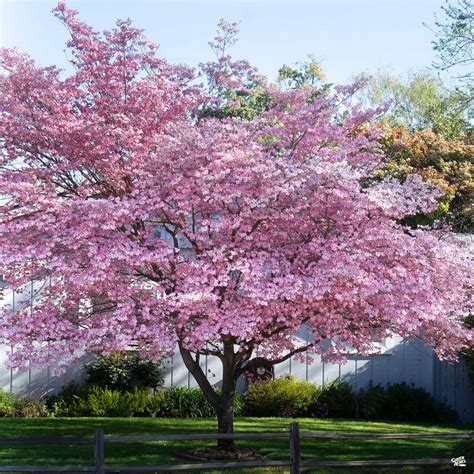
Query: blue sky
[348, 36]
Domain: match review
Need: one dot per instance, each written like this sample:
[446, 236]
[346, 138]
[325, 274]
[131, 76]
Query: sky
[348, 36]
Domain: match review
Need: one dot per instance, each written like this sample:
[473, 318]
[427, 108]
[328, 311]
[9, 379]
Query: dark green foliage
[369, 402]
[339, 398]
[183, 402]
[240, 405]
[85, 400]
[281, 397]
[124, 372]
[285, 397]
[144, 403]
[319, 410]
[107, 402]
[407, 402]
[69, 401]
[289, 397]
[187, 403]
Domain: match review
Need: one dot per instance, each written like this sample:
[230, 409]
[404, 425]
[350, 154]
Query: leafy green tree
[419, 102]
[245, 104]
[248, 102]
[303, 74]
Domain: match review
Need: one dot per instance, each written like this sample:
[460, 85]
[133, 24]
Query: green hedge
[279, 397]
[289, 397]
[174, 402]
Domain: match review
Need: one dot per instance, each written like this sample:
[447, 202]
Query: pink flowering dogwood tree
[157, 224]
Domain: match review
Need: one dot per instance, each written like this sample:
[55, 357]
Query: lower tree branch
[199, 375]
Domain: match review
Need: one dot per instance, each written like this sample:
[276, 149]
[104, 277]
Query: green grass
[154, 453]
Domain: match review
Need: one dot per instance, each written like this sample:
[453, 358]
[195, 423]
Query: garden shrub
[407, 402]
[75, 400]
[339, 398]
[71, 401]
[137, 403]
[369, 402]
[240, 405]
[7, 403]
[31, 408]
[124, 372]
[10, 405]
[186, 403]
[281, 397]
[319, 410]
[113, 403]
[144, 373]
[107, 402]
[155, 405]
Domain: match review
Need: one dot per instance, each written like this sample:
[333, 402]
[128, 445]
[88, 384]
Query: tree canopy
[156, 223]
[446, 163]
[420, 101]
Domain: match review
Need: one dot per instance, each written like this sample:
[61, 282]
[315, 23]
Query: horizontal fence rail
[337, 435]
[45, 440]
[195, 437]
[293, 435]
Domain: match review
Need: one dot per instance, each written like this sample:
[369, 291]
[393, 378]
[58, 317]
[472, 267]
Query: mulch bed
[215, 454]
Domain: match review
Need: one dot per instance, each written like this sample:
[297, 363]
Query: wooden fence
[294, 463]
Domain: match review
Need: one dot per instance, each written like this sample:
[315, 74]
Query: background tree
[154, 224]
[446, 163]
[304, 74]
[420, 102]
[235, 89]
[454, 42]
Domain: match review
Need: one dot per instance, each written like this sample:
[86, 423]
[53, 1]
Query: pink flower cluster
[153, 224]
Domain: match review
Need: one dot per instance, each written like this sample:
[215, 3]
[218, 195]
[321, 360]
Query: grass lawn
[154, 453]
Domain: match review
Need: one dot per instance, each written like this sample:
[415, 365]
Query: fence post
[295, 455]
[99, 454]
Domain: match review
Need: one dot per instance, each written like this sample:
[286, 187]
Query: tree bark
[225, 423]
[222, 403]
[225, 414]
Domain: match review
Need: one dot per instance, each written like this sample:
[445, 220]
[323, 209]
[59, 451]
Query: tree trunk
[225, 413]
[223, 402]
[225, 422]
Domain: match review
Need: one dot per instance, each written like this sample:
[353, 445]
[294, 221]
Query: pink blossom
[151, 224]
